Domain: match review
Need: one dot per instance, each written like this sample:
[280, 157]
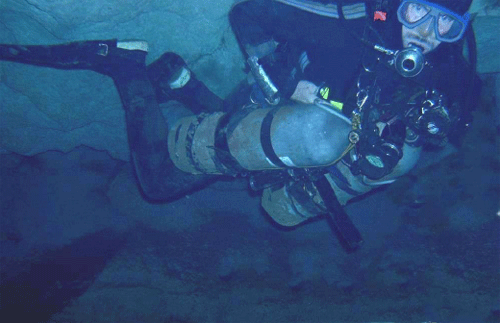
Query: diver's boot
[173, 80]
[103, 56]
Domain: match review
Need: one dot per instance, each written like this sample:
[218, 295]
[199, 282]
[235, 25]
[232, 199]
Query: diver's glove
[305, 92]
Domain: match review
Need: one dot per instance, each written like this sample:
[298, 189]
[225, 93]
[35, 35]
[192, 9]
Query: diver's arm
[264, 30]
[250, 23]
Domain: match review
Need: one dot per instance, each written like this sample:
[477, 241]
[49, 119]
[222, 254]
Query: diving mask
[448, 26]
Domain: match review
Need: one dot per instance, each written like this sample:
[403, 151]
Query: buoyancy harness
[378, 149]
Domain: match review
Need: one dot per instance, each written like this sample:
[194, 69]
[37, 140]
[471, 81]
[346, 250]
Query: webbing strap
[265, 139]
[225, 162]
[349, 237]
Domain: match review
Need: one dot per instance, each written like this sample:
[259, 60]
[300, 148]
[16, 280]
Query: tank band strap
[265, 139]
[224, 161]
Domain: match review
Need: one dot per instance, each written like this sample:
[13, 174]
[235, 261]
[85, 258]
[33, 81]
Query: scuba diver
[341, 98]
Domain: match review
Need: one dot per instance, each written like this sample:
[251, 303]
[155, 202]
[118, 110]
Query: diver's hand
[305, 92]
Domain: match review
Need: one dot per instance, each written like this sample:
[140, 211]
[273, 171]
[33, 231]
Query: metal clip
[103, 49]
[265, 83]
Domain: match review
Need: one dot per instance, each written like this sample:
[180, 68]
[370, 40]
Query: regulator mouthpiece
[409, 62]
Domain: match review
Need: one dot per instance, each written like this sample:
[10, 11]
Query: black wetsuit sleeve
[255, 22]
[250, 22]
[332, 52]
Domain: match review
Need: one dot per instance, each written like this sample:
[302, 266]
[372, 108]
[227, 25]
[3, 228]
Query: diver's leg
[93, 55]
[147, 134]
[170, 76]
[173, 80]
[146, 128]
